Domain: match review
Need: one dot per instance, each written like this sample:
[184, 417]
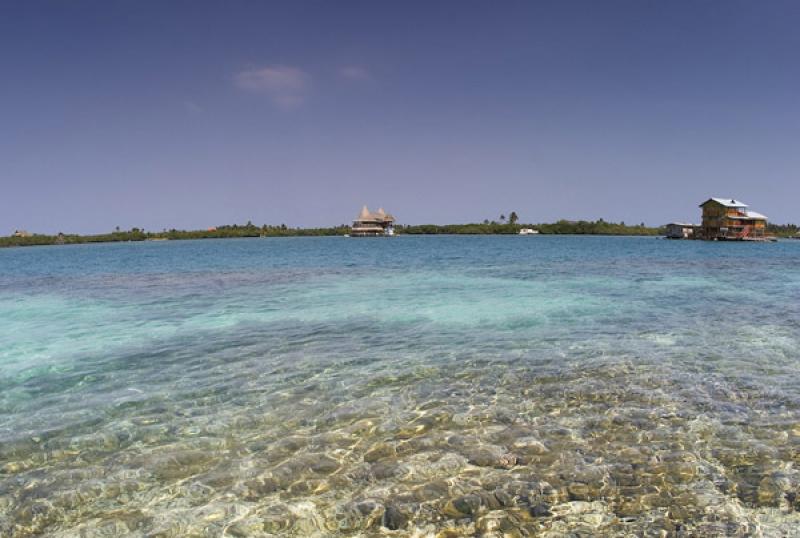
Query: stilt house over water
[728, 219]
[372, 224]
[680, 230]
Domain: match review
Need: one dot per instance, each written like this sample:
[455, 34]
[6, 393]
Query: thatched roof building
[373, 223]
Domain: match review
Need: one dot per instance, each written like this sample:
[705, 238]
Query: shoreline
[561, 227]
[291, 236]
[577, 228]
[288, 236]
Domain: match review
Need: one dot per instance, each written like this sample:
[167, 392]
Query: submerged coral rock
[380, 451]
[508, 460]
[465, 505]
[540, 510]
[393, 518]
[488, 456]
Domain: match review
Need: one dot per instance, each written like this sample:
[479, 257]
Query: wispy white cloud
[354, 72]
[286, 86]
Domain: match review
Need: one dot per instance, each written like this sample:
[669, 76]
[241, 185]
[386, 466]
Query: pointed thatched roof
[379, 216]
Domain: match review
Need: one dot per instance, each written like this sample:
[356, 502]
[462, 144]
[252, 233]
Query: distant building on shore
[22, 233]
[372, 224]
[729, 219]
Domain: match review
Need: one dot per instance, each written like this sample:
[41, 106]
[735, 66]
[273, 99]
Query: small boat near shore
[765, 239]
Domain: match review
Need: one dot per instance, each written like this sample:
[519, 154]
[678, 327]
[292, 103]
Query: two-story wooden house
[728, 219]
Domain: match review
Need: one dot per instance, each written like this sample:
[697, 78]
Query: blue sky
[193, 114]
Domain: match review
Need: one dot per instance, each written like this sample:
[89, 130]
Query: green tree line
[564, 227]
[505, 226]
[782, 230]
[136, 234]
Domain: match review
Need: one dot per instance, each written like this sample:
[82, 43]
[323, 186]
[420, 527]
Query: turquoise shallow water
[494, 386]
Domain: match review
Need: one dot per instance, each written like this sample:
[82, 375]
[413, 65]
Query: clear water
[440, 386]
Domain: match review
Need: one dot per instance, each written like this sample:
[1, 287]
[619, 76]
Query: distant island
[503, 227]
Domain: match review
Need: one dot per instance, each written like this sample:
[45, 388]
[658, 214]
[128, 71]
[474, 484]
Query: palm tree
[502, 218]
[513, 218]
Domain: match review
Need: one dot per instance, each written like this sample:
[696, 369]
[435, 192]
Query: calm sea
[495, 386]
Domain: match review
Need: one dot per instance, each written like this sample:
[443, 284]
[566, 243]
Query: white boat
[528, 231]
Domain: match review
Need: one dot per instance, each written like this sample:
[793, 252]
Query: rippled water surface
[426, 386]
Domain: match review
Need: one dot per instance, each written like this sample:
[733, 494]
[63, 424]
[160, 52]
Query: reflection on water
[588, 386]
